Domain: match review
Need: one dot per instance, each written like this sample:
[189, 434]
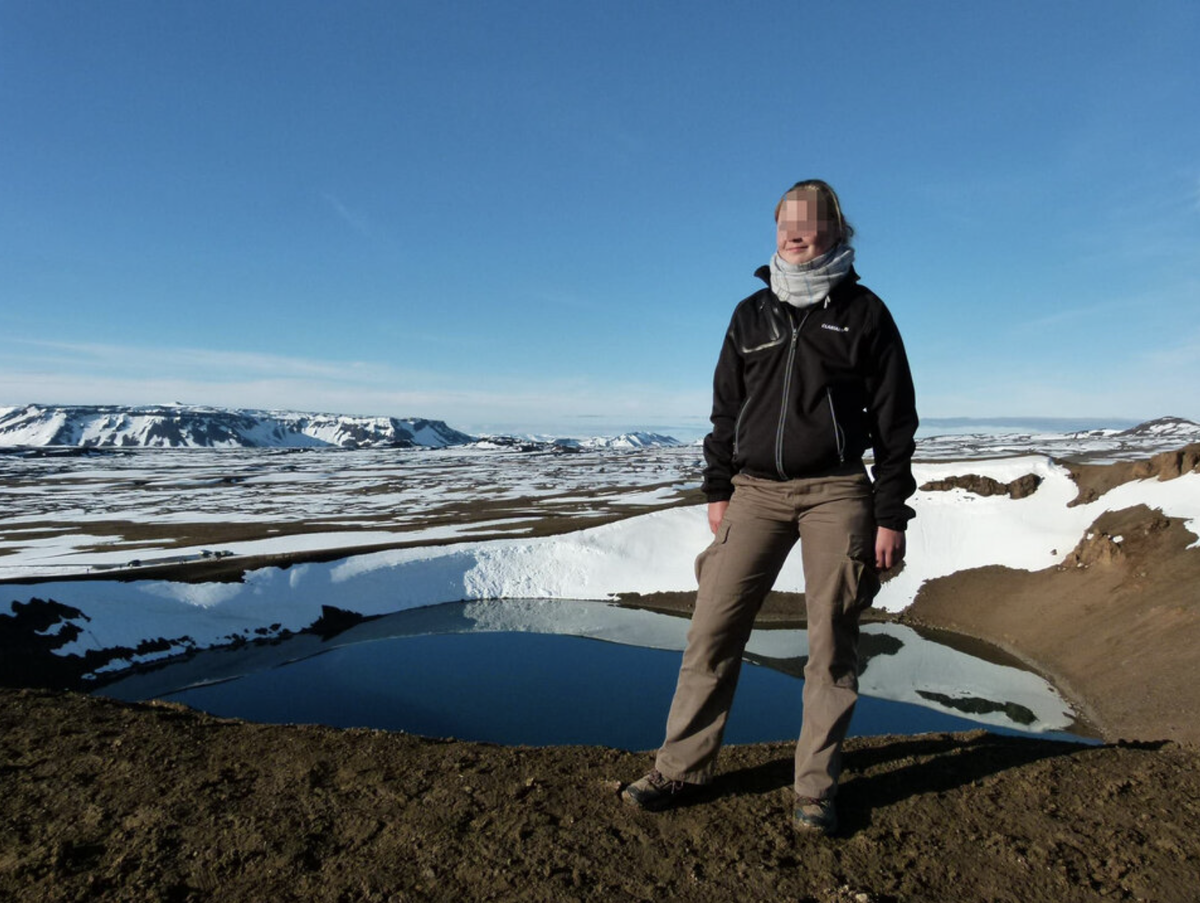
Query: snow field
[954, 530]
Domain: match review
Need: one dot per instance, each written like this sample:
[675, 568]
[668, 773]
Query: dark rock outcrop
[1019, 488]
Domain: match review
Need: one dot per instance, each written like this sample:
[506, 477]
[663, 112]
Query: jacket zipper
[787, 385]
[839, 437]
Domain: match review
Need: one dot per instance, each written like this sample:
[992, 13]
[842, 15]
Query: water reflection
[531, 671]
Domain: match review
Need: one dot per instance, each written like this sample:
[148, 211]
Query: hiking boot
[656, 792]
[815, 815]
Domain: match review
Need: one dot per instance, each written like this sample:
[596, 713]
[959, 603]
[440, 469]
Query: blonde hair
[827, 199]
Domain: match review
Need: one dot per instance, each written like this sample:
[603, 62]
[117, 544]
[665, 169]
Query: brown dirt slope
[101, 800]
[1096, 479]
[1115, 626]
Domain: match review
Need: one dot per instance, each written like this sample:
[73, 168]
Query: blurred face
[803, 231]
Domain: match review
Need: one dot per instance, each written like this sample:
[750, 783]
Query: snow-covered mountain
[625, 440]
[193, 426]
[1172, 428]
[1143, 440]
[197, 426]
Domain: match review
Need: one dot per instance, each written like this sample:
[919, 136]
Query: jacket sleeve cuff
[894, 521]
[718, 495]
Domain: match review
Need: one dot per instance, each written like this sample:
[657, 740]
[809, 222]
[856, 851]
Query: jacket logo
[835, 328]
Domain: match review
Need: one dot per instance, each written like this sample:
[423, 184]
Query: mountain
[1106, 443]
[194, 426]
[625, 440]
[1165, 428]
[199, 426]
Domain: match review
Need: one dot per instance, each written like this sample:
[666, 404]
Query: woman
[811, 374]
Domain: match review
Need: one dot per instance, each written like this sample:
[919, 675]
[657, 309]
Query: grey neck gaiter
[805, 284]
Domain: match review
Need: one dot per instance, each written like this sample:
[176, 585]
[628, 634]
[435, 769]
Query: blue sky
[538, 216]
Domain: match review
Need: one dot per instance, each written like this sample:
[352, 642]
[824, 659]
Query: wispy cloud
[1178, 360]
[1138, 387]
[1073, 314]
[80, 373]
[207, 361]
[356, 221]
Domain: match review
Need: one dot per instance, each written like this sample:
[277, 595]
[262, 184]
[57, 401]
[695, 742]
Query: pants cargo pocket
[719, 539]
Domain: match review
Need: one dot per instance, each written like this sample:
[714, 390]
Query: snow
[392, 495]
[954, 530]
[388, 491]
[1096, 446]
[648, 553]
[194, 426]
[83, 553]
[41, 432]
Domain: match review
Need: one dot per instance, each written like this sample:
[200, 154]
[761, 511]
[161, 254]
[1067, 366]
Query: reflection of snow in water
[910, 669]
[917, 665]
[523, 688]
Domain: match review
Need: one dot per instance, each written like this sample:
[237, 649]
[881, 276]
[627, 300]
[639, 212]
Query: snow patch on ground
[954, 530]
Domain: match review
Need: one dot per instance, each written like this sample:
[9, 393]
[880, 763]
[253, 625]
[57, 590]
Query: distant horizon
[608, 427]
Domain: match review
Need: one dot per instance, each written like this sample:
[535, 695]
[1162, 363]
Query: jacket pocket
[848, 433]
[839, 435]
[763, 333]
[737, 424]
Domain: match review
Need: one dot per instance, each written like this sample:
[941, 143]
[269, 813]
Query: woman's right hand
[716, 513]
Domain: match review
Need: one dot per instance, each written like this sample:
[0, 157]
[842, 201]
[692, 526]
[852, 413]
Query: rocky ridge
[58, 428]
[188, 426]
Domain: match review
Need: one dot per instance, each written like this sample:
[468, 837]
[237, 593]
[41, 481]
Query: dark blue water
[523, 688]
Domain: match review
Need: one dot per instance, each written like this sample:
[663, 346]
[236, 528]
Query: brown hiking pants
[833, 519]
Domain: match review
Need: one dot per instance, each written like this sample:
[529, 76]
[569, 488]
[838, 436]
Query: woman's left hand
[889, 548]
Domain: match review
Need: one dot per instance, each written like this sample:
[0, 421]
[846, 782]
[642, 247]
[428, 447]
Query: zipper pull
[796, 327]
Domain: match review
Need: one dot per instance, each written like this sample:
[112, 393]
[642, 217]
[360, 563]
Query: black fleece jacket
[803, 393]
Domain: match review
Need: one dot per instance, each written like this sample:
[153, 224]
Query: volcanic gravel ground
[102, 800]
